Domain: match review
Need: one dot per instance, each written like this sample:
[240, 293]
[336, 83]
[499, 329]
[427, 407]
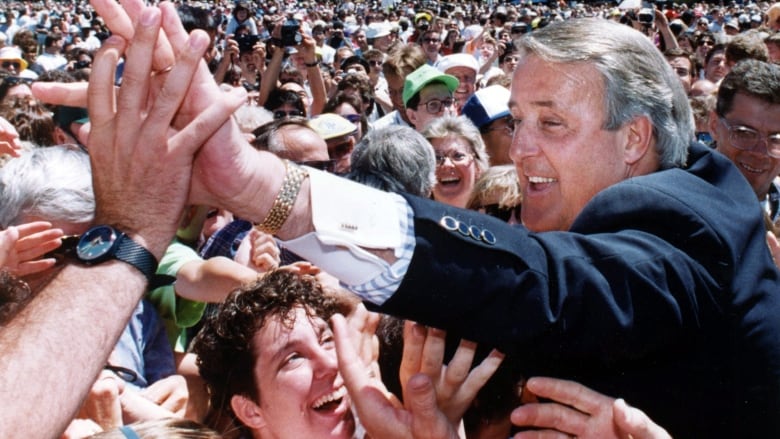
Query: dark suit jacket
[663, 292]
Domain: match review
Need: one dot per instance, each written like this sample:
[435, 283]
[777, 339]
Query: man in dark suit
[643, 271]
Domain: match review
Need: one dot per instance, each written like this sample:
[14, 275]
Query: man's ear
[412, 116]
[61, 137]
[638, 140]
[712, 125]
[247, 411]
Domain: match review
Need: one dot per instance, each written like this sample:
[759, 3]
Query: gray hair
[53, 183]
[395, 154]
[638, 81]
[462, 127]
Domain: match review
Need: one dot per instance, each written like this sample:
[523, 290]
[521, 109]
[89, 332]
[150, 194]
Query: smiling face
[301, 391]
[562, 154]
[456, 170]
[758, 168]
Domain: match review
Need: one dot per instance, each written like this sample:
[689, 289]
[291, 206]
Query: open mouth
[330, 401]
[750, 169]
[449, 181]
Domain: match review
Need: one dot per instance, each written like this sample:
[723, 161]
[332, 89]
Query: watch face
[95, 243]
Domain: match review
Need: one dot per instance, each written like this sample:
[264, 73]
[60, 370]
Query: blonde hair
[498, 181]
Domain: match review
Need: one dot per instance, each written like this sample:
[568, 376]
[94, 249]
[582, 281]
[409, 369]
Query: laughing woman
[460, 158]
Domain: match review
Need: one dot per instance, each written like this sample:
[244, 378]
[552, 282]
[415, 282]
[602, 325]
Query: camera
[82, 64]
[290, 33]
[246, 42]
[646, 15]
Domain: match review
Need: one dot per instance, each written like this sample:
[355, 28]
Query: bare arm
[211, 280]
[80, 314]
[316, 84]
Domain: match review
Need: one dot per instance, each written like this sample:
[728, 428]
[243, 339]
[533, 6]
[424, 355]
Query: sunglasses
[354, 118]
[322, 165]
[15, 80]
[282, 114]
[15, 64]
[502, 213]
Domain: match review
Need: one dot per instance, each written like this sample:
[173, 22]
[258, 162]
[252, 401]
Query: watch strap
[136, 255]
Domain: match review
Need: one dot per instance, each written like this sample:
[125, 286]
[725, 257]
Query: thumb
[635, 423]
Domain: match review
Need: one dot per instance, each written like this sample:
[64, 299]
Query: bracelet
[314, 64]
[285, 199]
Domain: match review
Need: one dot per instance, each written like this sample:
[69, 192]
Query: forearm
[78, 317]
[211, 280]
[271, 75]
[222, 68]
[317, 85]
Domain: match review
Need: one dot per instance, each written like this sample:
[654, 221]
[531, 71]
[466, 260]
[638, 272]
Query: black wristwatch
[103, 243]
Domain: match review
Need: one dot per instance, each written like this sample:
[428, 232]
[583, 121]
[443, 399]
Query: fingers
[414, 340]
[32, 267]
[177, 85]
[374, 408]
[433, 353]
[634, 422]
[30, 228]
[120, 19]
[8, 240]
[208, 121]
[569, 393]
[101, 98]
[458, 368]
[135, 78]
[73, 94]
[427, 419]
[549, 415]
[774, 246]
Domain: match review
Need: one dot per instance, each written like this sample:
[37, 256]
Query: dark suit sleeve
[638, 267]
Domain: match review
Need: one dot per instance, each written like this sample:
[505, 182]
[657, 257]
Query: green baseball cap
[418, 79]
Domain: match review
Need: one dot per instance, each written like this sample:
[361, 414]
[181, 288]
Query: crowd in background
[409, 97]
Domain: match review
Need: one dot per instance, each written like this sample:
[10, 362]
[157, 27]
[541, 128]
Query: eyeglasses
[15, 80]
[375, 63]
[66, 250]
[282, 114]
[339, 150]
[501, 212]
[15, 64]
[746, 138]
[505, 124]
[456, 158]
[354, 118]
[126, 374]
[431, 41]
[434, 106]
[322, 165]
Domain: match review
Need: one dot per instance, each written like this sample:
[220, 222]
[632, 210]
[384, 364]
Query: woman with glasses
[348, 106]
[285, 103]
[14, 86]
[460, 158]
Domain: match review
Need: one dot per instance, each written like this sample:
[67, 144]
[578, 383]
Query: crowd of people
[389, 219]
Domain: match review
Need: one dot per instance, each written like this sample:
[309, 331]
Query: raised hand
[21, 247]
[131, 145]
[456, 385]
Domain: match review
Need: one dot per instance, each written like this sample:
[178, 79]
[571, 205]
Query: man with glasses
[428, 95]
[431, 44]
[488, 110]
[746, 127]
